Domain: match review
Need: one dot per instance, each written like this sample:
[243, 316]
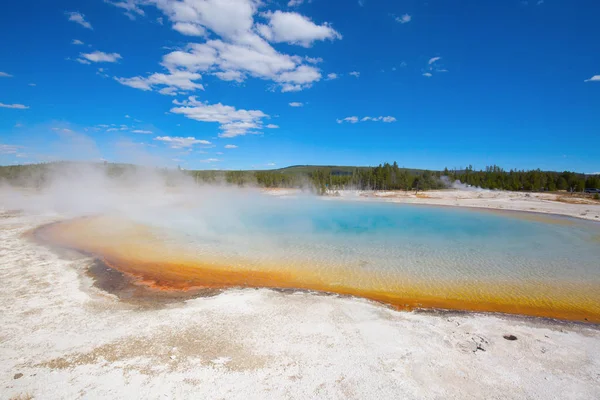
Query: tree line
[494, 177]
[329, 179]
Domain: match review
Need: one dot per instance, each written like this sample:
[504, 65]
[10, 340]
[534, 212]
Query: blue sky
[240, 84]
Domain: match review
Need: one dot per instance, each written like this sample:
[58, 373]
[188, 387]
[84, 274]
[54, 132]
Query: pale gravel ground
[72, 341]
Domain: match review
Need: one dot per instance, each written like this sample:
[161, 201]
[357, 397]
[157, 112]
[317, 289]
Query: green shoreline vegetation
[323, 178]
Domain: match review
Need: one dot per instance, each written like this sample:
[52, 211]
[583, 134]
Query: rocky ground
[63, 338]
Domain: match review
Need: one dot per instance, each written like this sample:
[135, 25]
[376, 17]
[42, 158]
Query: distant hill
[334, 169]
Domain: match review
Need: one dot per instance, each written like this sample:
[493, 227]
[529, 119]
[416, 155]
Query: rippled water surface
[406, 255]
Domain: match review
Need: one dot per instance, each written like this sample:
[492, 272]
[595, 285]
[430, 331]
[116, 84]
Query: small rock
[510, 337]
[17, 376]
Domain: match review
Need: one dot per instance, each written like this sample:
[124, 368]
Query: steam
[458, 185]
[169, 200]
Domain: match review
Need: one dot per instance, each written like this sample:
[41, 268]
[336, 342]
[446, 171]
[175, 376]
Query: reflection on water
[403, 255]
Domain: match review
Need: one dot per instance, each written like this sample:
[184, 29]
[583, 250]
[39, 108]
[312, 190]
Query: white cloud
[404, 19]
[82, 61]
[127, 116]
[331, 76]
[170, 83]
[595, 78]
[5, 75]
[15, 106]
[77, 42]
[294, 28]
[228, 19]
[231, 146]
[230, 76]
[188, 29]
[271, 164]
[129, 6]
[142, 131]
[210, 160]
[355, 74]
[79, 18]
[313, 60]
[296, 104]
[181, 142]
[272, 126]
[433, 67]
[9, 149]
[298, 79]
[354, 119]
[295, 3]
[99, 56]
[253, 56]
[233, 122]
[237, 51]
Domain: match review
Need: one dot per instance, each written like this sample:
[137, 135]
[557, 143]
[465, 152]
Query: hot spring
[406, 256]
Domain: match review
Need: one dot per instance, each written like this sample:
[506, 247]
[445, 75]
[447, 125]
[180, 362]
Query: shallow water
[408, 256]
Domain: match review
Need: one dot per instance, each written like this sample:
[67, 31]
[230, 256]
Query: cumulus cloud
[427, 74]
[15, 106]
[79, 18]
[403, 19]
[77, 42]
[5, 75]
[239, 47]
[177, 142]
[236, 76]
[169, 84]
[232, 122]
[433, 59]
[355, 119]
[355, 74]
[272, 126]
[253, 56]
[294, 28]
[142, 131]
[295, 3]
[298, 79]
[189, 29]
[332, 76]
[296, 104]
[99, 56]
[231, 146]
[595, 78]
